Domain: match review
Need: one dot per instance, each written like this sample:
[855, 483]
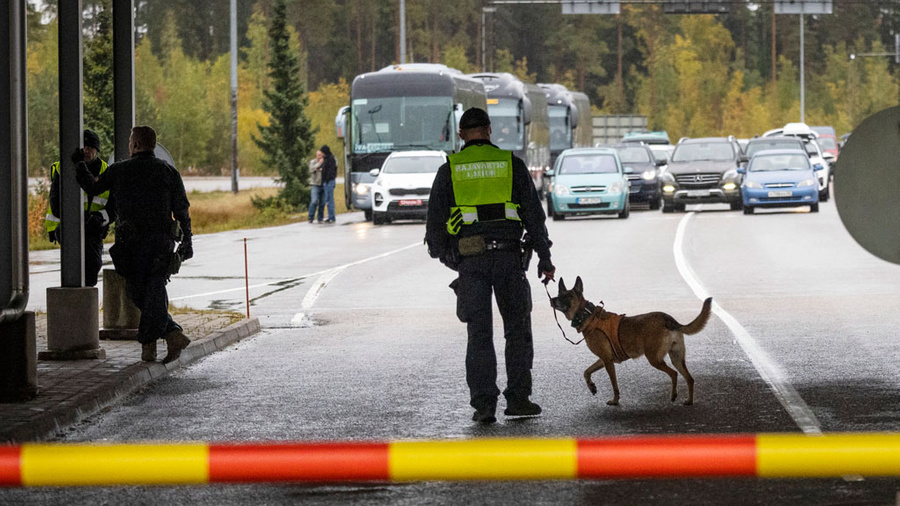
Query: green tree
[288, 138]
[98, 82]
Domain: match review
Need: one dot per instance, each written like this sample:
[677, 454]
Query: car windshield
[755, 147]
[661, 154]
[827, 143]
[633, 155]
[588, 164]
[765, 163]
[412, 164]
[703, 151]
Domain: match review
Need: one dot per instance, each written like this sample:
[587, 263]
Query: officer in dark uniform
[99, 210]
[481, 201]
[149, 193]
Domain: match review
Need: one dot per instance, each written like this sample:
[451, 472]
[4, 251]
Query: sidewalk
[73, 390]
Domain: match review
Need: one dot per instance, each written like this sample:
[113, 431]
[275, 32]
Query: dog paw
[674, 396]
[688, 402]
[612, 402]
[593, 389]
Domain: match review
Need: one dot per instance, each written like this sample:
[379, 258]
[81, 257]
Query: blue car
[780, 178]
[588, 181]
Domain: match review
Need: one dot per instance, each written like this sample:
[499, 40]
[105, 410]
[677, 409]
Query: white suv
[403, 184]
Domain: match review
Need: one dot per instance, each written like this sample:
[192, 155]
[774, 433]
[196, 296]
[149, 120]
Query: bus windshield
[402, 123]
[506, 124]
[560, 134]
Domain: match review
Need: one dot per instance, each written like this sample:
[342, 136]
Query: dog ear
[562, 285]
[579, 287]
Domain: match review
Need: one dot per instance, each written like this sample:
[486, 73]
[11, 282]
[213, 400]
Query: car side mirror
[741, 170]
[549, 173]
[629, 170]
[829, 157]
[374, 172]
[660, 163]
[818, 166]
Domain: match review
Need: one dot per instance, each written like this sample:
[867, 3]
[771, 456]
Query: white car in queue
[403, 184]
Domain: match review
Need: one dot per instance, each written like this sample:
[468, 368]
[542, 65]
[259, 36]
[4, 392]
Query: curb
[129, 380]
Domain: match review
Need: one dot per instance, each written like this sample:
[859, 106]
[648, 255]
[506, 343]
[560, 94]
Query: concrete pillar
[18, 359]
[120, 316]
[73, 326]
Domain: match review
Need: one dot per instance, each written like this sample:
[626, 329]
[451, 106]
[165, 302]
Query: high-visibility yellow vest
[481, 176]
[96, 204]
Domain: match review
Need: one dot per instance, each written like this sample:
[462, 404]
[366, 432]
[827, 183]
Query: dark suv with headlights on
[701, 171]
[642, 170]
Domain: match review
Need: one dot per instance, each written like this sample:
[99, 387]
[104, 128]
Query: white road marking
[768, 369]
[301, 319]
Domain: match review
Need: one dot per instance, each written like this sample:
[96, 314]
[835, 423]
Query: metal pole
[402, 31]
[483, 45]
[13, 164]
[802, 74]
[123, 74]
[71, 125]
[234, 86]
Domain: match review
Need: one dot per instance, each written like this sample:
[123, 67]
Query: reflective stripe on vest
[97, 204]
[481, 177]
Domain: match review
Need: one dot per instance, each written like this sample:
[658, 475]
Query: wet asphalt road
[361, 342]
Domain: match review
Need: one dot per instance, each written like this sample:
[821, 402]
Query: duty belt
[491, 245]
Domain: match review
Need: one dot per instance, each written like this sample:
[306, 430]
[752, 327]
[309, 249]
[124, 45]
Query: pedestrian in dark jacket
[149, 193]
[329, 175]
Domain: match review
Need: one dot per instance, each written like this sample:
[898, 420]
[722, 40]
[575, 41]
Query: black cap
[91, 140]
[474, 118]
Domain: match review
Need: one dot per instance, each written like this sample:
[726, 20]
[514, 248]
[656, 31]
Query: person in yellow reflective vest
[481, 202]
[99, 211]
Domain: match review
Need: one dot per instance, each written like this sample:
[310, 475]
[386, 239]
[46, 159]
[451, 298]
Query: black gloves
[78, 156]
[54, 236]
[545, 266]
[186, 249]
[451, 259]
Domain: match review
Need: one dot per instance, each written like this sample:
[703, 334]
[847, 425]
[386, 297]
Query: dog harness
[608, 323]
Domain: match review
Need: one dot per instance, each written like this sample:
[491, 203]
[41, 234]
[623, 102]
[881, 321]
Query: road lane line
[300, 319]
[767, 368]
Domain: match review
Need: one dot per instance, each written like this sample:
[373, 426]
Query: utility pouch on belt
[471, 246]
[527, 251]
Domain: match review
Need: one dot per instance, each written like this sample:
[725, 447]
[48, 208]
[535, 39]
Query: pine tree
[288, 139]
[98, 81]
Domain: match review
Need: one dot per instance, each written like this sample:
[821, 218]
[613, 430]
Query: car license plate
[781, 194]
[698, 193]
[590, 200]
[410, 202]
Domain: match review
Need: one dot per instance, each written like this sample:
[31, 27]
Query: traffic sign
[591, 7]
[802, 6]
[696, 6]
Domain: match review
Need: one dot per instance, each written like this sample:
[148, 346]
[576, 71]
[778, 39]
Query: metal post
[123, 74]
[13, 163]
[234, 86]
[802, 74]
[71, 125]
[483, 45]
[402, 31]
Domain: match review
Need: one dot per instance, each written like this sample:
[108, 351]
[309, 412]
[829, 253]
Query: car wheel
[378, 218]
[626, 211]
[655, 205]
[748, 210]
[823, 195]
[679, 208]
[549, 207]
[737, 206]
[368, 214]
[814, 208]
[558, 217]
[668, 207]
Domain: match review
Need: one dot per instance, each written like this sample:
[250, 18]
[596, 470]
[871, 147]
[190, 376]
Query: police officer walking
[149, 193]
[481, 201]
[99, 210]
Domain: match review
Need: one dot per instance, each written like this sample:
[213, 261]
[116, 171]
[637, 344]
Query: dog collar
[583, 314]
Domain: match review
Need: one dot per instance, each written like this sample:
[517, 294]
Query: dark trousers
[500, 273]
[149, 295]
[93, 258]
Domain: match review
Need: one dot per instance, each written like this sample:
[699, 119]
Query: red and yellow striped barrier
[762, 455]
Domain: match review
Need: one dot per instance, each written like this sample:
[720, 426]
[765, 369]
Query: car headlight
[729, 186]
[668, 188]
[806, 182]
[559, 189]
[361, 189]
[648, 175]
[752, 184]
[615, 187]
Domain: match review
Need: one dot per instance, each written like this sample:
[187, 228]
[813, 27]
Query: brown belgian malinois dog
[652, 334]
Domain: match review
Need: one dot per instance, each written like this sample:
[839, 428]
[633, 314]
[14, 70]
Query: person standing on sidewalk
[99, 210]
[481, 202]
[316, 201]
[329, 175]
[149, 193]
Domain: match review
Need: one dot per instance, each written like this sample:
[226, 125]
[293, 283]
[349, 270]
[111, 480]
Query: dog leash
[546, 282]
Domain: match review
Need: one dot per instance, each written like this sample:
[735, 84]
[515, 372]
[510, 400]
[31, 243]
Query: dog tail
[700, 321]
